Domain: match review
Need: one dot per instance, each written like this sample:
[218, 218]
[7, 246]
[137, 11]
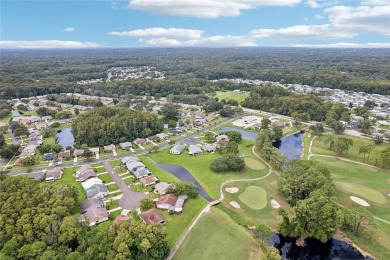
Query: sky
[211, 23]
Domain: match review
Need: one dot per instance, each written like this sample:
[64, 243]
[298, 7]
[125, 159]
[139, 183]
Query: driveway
[130, 199]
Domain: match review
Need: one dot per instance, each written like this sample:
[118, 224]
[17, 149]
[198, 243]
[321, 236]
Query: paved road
[130, 199]
[108, 158]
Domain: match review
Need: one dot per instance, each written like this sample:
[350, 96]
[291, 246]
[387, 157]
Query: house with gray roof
[48, 156]
[88, 174]
[134, 165]
[130, 159]
[89, 204]
[161, 187]
[109, 148]
[209, 148]
[162, 136]
[177, 149]
[38, 176]
[141, 172]
[140, 141]
[194, 150]
[125, 145]
[96, 216]
[96, 191]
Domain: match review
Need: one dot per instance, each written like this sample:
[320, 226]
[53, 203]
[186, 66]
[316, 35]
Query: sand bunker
[275, 204]
[232, 189]
[359, 201]
[234, 204]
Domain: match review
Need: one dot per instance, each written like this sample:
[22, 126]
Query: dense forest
[188, 70]
[35, 223]
[107, 125]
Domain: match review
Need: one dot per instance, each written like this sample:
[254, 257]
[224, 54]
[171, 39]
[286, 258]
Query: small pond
[65, 138]
[314, 249]
[248, 135]
[291, 145]
[185, 176]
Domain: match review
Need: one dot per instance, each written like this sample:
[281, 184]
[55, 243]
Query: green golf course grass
[254, 197]
[231, 95]
[217, 237]
[362, 191]
[253, 164]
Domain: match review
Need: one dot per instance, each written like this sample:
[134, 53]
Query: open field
[362, 191]
[254, 164]
[254, 197]
[199, 167]
[215, 237]
[231, 95]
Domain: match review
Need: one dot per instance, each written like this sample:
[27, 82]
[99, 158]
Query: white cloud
[217, 40]
[69, 29]
[374, 2]
[373, 19]
[345, 45]
[312, 4]
[204, 8]
[162, 32]
[47, 44]
[319, 17]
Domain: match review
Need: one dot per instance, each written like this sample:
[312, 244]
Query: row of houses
[35, 139]
[193, 149]
[48, 176]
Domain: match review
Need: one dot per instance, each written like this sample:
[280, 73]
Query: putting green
[253, 164]
[254, 197]
[362, 191]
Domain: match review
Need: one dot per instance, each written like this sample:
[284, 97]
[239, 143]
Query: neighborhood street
[130, 199]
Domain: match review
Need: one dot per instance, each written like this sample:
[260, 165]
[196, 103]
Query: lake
[314, 249]
[65, 138]
[248, 135]
[291, 145]
[185, 176]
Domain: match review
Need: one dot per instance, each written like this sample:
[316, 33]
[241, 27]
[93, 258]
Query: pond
[291, 145]
[185, 176]
[314, 249]
[65, 137]
[248, 135]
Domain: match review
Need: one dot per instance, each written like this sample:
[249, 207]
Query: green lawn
[254, 197]
[253, 164]
[68, 178]
[215, 237]
[106, 178]
[100, 170]
[362, 191]
[199, 167]
[49, 140]
[128, 181]
[112, 204]
[231, 95]
[112, 187]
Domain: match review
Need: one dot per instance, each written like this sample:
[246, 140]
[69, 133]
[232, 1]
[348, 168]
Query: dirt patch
[388, 180]
[359, 201]
[275, 204]
[235, 204]
[232, 189]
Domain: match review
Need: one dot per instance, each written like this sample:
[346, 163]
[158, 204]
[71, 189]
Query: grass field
[216, 237]
[199, 167]
[362, 191]
[254, 197]
[112, 187]
[370, 184]
[231, 95]
[106, 178]
[253, 164]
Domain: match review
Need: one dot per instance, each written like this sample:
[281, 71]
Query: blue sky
[157, 23]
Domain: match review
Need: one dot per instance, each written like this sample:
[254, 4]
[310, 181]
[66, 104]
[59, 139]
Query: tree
[88, 153]
[183, 188]
[226, 111]
[48, 131]
[42, 111]
[146, 203]
[277, 132]
[210, 137]
[365, 127]
[155, 148]
[272, 253]
[76, 111]
[2, 141]
[234, 136]
[378, 139]
[19, 130]
[265, 122]
[318, 129]
[10, 150]
[170, 110]
[171, 123]
[366, 150]
[231, 148]
[370, 104]
[357, 218]
[263, 233]
[263, 138]
[338, 127]
[29, 161]
[340, 145]
[228, 163]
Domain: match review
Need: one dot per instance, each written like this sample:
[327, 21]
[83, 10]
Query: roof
[179, 148]
[63, 154]
[152, 138]
[134, 165]
[96, 189]
[95, 150]
[222, 137]
[84, 168]
[162, 187]
[129, 159]
[125, 145]
[141, 172]
[48, 156]
[55, 173]
[152, 216]
[110, 147]
[209, 147]
[94, 215]
[37, 175]
[87, 174]
[194, 149]
[148, 180]
[86, 204]
[169, 199]
[78, 152]
[140, 141]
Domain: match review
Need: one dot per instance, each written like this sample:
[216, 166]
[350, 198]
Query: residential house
[109, 148]
[148, 180]
[141, 172]
[86, 175]
[171, 202]
[278, 123]
[94, 150]
[199, 121]
[162, 136]
[194, 150]
[162, 187]
[89, 204]
[130, 159]
[125, 145]
[82, 169]
[96, 191]
[222, 137]
[177, 149]
[210, 148]
[53, 174]
[96, 216]
[90, 182]
[211, 117]
[48, 156]
[152, 216]
[151, 139]
[64, 154]
[134, 165]
[25, 121]
[174, 132]
[140, 141]
[78, 152]
[38, 176]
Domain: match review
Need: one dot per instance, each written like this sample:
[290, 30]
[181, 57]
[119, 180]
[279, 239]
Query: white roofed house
[125, 145]
[138, 169]
[177, 149]
[194, 150]
[96, 191]
[129, 159]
